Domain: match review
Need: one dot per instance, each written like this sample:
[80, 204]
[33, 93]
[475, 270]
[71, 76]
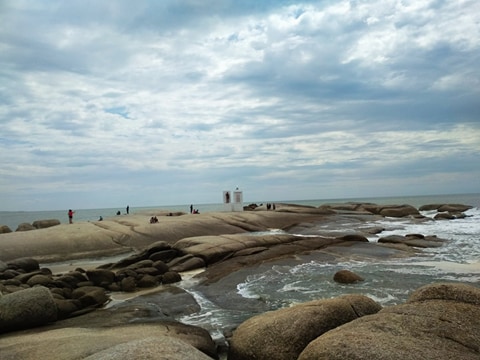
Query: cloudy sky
[105, 103]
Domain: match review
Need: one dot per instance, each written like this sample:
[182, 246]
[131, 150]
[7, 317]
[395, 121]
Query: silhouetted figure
[191, 209]
[128, 208]
[70, 216]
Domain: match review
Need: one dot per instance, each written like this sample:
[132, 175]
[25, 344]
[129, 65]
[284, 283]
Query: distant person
[128, 209]
[70, 216]
[100, 218]
[227, 197]
[118, 212]
[191, 209]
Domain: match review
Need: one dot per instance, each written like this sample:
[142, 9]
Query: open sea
[388, 282]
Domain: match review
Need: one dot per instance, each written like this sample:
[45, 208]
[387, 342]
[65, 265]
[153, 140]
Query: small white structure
[237, 200]
[233, 202]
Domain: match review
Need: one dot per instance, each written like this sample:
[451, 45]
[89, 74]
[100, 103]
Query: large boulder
[4, 229]
[151, 348]
[27, 308]
[438, 322]
[43, 224]
[414, 240]
[284, 333]
[445, 207]
[26, 264]
[25, 227]
[160, 340]
[398, 211]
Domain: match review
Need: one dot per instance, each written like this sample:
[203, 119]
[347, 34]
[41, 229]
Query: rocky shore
[73, 312]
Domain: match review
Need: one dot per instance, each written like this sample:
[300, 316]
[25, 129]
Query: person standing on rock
[70, 216]
[128, 209]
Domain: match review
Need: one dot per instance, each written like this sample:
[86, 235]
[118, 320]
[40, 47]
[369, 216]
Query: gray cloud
[287, 99]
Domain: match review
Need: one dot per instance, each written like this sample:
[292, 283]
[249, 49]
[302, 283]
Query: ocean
[388, 282]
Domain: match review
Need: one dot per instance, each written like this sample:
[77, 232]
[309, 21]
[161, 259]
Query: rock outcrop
[283, 334]
[414, 240]
[73, 293]
[438, 322]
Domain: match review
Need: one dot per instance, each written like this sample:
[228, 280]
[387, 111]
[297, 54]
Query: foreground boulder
[284, 333]
[438, 322]
[27, 308]
[167, 340]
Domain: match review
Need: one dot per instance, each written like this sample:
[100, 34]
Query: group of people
[71, 212]
[193, 211]
[270, 206]
[153, 220]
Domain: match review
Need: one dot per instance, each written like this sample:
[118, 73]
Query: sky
[106, 103]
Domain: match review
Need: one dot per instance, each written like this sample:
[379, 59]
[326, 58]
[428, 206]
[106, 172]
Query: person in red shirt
[70, 216]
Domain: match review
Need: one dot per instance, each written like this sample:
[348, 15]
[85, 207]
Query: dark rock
[346, 277]
[398, 211]
[25, 227]
[25, 264]
[454, 208]
[128, 284]
[147, 281]
[413, 240]
[94, 298]
[444, 216]
[160, 266]
[67, 307]
[171, 277]
[44, 280]
[101, 277]
[148, 270]
[4, 229]
[140, 264]
[353, 237]
[164, 255]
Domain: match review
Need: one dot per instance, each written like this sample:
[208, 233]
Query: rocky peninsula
[46, 304]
